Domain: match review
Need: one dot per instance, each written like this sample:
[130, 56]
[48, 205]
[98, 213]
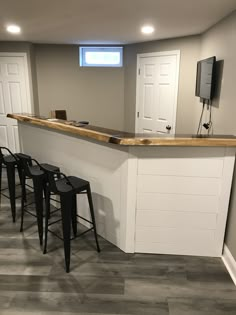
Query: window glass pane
[101, 56]
[107, 58]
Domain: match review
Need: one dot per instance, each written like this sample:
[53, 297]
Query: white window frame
[84, 49]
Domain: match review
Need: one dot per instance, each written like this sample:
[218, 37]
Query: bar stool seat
[9, 159]
[75, 184]
[36, 170]
[67, 187]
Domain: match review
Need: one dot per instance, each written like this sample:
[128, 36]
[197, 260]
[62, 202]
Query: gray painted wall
[220, 41]
[28, 48]
[93, 94]
[106, 97]
[189, 54]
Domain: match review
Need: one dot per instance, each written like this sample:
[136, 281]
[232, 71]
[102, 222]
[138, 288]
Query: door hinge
[138, 114]
[139, 71]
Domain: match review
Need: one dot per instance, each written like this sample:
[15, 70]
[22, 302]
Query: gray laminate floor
[111, 282]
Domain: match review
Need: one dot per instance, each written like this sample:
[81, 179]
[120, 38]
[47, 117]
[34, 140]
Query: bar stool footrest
[72, 238]
[29, 212]
[51, 223]
[78, 216]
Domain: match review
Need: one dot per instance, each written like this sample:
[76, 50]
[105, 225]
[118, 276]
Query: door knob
[168, 127]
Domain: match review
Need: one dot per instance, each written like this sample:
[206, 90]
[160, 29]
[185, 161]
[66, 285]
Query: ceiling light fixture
[14, 29]
[147, 29]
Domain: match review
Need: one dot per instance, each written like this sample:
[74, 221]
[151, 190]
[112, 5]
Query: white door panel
[14, 97]
[147, 94]
[157, 93]
[2, 108]
[166, 75]
[3, 136]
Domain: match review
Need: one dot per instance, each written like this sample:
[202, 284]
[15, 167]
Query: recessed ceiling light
[14, 29]
[147, 29]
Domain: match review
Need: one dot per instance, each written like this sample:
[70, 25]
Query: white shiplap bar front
[148, 199]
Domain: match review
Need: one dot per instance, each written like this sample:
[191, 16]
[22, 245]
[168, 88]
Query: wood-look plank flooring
[110, 282]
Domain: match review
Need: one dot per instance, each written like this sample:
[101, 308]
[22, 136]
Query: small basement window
[101, 56]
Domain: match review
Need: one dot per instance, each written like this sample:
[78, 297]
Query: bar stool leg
[90, 201]
[74, 215]
[38, 195]
[47, 215]
[45, 194]
[23, 193]
[20, 173]
[12, 189]
[66, 206]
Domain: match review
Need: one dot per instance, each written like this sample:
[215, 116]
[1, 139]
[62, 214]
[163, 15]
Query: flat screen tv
[205, 81]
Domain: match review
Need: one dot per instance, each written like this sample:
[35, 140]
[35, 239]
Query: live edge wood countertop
[125, 138]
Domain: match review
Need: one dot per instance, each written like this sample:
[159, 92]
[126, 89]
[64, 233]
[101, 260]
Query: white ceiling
[108, 21]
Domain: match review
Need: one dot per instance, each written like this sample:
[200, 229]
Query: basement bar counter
[152, 193]
[124, 138]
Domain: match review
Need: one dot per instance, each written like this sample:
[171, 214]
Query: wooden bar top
[125, 138]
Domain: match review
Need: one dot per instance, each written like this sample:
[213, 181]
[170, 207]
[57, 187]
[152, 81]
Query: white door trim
[157, 54]
[27, 76]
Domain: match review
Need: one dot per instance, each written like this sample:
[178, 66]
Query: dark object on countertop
[59, 114]
[83, 122]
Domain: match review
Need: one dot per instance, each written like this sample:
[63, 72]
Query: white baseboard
[230, 263]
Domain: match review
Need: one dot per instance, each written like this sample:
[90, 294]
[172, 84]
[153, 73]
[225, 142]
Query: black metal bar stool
[67, 188]
[31, 169]
[10, 161]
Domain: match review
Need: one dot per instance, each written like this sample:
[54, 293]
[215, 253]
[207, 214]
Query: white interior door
[14, 97]
[157, 87]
